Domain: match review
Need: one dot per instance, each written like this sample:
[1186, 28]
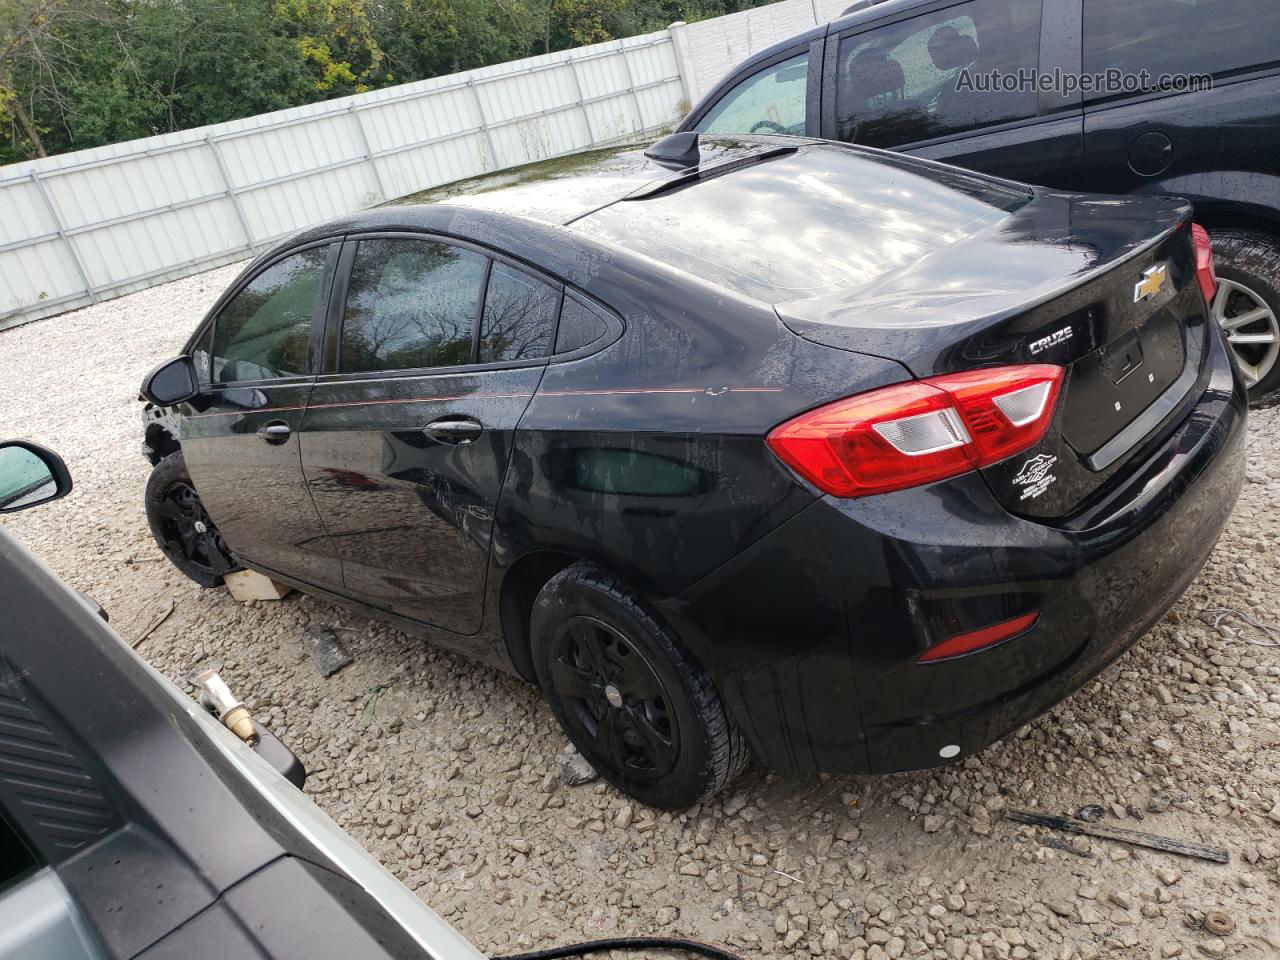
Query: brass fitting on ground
[217, 698]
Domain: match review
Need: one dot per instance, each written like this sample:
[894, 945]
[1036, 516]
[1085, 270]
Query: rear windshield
[809, 224]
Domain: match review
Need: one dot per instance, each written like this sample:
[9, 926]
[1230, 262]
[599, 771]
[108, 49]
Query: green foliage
[81, 73]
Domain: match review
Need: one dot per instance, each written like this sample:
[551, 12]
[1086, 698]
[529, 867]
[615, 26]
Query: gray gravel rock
[325, 649]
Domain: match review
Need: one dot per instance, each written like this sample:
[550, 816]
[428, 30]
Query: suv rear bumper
[813, 633]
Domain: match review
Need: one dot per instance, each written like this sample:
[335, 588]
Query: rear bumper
[813, 633]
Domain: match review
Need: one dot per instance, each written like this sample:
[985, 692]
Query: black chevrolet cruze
[747, 447]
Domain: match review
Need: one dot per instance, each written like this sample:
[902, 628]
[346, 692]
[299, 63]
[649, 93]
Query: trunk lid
[1104, 286]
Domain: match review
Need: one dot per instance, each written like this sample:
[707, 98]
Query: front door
[241, 444]
[406, 441]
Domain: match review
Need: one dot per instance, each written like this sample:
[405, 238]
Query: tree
[80, 73]
[34, 46]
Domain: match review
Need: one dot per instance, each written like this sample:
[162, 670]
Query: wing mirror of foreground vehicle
[171, 383]
[30, 475]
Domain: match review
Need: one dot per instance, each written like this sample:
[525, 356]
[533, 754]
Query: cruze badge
[1151, 284]
[1052, 340]
[1034, 477]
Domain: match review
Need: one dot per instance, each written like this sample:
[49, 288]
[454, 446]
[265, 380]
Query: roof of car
[560, 190]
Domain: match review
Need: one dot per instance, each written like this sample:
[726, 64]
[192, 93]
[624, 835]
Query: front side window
[938, 74]
[519, 316]
[411, 303]
[265, 331]
[1155, 44]
[770, 101]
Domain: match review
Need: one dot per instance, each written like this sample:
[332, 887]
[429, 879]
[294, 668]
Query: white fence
[82, 227]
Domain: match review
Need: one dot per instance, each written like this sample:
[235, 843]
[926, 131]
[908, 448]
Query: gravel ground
[450, 772]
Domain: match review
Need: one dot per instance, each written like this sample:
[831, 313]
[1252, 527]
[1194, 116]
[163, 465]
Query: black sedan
[738, 447]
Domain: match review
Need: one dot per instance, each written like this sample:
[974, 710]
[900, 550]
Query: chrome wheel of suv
[1252, 329]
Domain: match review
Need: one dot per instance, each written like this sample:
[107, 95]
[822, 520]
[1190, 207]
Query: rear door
[256, 364]
[1191, 107]
[435, 353]
[963, 83]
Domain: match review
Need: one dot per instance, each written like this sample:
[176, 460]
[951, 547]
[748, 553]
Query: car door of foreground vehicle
[256, 364]
[434, 351]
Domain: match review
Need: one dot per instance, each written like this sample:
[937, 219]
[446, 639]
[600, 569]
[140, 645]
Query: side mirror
[30, 475]
[171, 383]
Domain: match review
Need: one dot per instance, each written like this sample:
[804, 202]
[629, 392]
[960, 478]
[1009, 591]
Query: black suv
[1176, 97]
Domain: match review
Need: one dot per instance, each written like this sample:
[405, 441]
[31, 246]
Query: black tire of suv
[168, 474]
[1252, 259]
[709, 752]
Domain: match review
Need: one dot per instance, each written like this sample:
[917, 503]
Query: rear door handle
[275, 432]
[455, 430]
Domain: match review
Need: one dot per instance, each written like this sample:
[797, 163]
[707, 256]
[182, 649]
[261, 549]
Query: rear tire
[182, 528]
[1248, 265]
[624, 690]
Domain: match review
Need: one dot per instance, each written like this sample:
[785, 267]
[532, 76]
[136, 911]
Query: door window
[770, 101]
[265, 332]
[411, 303]
[932, 76]
[519, 316]
[1167, 39]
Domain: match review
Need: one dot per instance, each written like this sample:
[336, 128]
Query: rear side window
[580, 326]
[265, 331]
[519, 317]
[770, 101]
[411, 303]
[925, 77]
[1168, 39]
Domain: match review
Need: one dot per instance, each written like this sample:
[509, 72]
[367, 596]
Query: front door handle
[455, 430]
[275, 432]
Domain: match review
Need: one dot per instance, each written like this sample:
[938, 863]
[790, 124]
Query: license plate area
[1114, 384]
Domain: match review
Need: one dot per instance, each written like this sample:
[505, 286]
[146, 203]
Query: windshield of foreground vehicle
[809, 224]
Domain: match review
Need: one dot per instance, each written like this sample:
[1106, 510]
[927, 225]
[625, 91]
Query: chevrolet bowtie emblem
[1152, 283]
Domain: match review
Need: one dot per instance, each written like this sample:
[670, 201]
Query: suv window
[1166, 38]
[411, 303]
[923, 78]
[519, 316]
[265, 331]
[770, 101]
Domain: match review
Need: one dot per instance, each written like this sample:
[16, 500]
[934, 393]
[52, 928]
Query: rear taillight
[1205, 273]
[915, 433]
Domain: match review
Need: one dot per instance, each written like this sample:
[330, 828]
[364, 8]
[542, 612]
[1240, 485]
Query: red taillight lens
[915, 433]
[974, 640]
[1205, 273]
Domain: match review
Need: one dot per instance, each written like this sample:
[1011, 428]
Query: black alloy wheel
[185, 523]
[616, 698]
[182, 527]
[631, 698]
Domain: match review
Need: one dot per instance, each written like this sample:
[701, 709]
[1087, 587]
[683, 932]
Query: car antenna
[677, 149]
